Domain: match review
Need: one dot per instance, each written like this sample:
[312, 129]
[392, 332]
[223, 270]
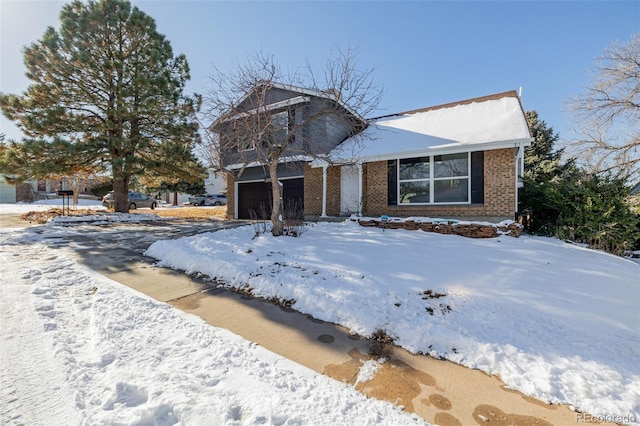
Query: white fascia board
[286, 103]
[454, 148]
[311, 92]
[274, 106]
[318, 162]
[290, 88]
[291, 159]
[318, 94]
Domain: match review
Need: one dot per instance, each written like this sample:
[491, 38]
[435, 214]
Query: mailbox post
[384, 219]
[65, 200]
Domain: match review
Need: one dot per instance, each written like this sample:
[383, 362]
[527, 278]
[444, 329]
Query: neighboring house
[7, 191]
[215, 183]
[82, 186]
[16, 193]
[40, 189]
[459, 160]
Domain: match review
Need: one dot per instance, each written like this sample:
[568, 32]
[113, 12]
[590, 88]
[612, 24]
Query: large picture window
[433, 180]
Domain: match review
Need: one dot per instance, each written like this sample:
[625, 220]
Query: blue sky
[425, 52]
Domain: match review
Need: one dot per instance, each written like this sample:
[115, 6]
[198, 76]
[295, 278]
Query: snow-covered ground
[556, 321]
[43, 205]
[79, 349]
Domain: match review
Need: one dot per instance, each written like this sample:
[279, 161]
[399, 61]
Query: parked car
[208, 200]
[136, 200]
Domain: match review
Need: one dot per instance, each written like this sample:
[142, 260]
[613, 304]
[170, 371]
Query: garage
[253, 195]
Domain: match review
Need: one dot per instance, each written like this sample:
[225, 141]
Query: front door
[349, 199]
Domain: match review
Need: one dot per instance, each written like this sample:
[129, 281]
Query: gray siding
[272, 96]
[287, 170]
[315, 138]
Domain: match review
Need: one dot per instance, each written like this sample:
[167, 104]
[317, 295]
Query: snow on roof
[491, 122]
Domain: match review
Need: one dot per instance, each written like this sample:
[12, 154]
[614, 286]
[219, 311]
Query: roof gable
[329, 95]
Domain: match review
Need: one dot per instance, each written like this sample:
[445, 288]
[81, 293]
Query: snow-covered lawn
[43, 205]
[79, 349]
[556, 321]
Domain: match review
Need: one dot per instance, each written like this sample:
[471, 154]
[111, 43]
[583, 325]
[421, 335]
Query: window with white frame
[246, 144]
[451, 178]
[434, 180]
[414, 180]
[245, 139]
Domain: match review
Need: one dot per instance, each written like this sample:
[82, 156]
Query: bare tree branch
[261, 117]
[608, 112]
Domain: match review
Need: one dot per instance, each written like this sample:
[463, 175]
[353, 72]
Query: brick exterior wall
[313, 191]
[499, 192]
[24, 193]
[333, 191]
[231, 197]
[499, 182]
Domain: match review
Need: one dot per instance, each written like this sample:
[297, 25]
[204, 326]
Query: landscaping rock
[469, 230]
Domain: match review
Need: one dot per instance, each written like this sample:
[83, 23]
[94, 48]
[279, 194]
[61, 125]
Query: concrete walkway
[439, 391]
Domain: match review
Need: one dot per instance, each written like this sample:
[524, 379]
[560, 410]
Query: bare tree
[608, 112]
[252, 127]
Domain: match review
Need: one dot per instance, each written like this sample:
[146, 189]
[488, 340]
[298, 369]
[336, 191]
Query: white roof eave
[289, 159]
[452, 148]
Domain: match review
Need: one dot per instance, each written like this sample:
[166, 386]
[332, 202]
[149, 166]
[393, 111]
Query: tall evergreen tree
[564, 201]
[541, 162]
[541, 166]
[107, 94]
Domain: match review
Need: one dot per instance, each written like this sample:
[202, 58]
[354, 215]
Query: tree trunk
[76, 189]
[277, 226]
[77, 183]
[120, 194]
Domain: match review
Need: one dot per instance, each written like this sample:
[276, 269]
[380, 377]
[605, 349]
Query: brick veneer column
[333, 191]
[499, 182]
[231, 197]
[312, 190]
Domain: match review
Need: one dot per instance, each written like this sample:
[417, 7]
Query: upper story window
[246, 141]
[257, 131]
[280, 124]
